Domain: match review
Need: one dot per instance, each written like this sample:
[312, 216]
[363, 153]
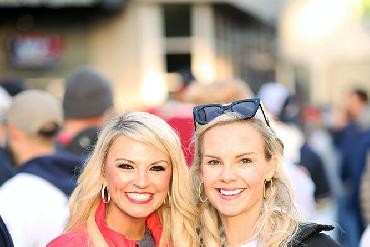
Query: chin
[140, 213]
[229, 212]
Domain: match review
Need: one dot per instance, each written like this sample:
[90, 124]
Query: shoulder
[310, 234]
[28, 186]
[27, 198]
[78, 237]
[319, 239]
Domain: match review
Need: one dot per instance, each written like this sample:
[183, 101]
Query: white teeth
[139, 197]
[230, 192]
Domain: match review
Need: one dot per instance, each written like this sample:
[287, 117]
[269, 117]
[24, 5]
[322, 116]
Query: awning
[58, 3]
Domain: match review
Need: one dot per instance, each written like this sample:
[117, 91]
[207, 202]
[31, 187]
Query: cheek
[118, 181]
[116, 178]
[162, 181]
[209, 176]
[253, 177]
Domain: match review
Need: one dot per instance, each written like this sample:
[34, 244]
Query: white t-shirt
[34, 211]
[250, 244]
[365, 239]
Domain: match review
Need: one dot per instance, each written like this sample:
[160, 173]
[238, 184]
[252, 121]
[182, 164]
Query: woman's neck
[131, 228]
[240, 228]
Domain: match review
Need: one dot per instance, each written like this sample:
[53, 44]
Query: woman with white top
[244, 195]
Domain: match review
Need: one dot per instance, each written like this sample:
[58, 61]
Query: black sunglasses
[247, 108]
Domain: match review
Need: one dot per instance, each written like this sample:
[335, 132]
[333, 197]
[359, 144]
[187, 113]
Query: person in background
[135, 189]
[177, 111]
[218, 92]
[364, 159]
[7, 169]
[318, 155]
[283, 111]
[13, 86]
[365, 237]
[34, 203]
[365, 203]
[5, 238]
[244, 194]
[349, 138]
[87, 101]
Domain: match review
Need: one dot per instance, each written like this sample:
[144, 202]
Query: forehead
[236, 136]
[135, 150]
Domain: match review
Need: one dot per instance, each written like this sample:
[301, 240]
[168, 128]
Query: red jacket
[79, 236]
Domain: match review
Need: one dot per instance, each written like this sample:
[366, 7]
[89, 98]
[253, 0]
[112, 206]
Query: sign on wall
[35, 50]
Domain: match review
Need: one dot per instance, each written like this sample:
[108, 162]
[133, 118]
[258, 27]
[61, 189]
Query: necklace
[223, 242]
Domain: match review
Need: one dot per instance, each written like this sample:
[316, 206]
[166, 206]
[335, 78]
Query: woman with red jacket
[135, 189]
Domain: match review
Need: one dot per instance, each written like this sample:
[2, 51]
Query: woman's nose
[228, 174]
[141, 179]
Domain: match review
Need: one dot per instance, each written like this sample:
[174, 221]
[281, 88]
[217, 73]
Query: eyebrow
[210, 156]
[160, 161]
[237, 156]
[123, 159]
[130, 161]
[245, 154]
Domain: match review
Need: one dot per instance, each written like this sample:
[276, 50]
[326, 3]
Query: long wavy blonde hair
[178, 217]
[279, 218]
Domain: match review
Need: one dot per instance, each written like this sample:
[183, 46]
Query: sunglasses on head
[247, 108]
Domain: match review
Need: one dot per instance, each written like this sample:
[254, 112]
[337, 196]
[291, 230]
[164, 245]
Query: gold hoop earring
[169, 198]
[264, 187]
[200, 193]
[105, 194]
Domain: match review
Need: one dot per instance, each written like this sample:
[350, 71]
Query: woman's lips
[230, 193]
[139, 197]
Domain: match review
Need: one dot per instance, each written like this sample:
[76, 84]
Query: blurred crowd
[45, 141]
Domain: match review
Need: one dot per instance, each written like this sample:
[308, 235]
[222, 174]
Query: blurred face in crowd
[15, 143]
[354, 106]
[137, 176]
[234, 168]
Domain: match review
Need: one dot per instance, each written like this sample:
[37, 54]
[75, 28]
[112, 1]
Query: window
[177, 20]
[176, 62]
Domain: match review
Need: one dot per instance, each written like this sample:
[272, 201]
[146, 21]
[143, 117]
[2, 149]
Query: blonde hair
[279, 218]
[177, 216]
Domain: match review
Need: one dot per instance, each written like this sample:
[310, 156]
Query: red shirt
[180, 117]
[80, 237]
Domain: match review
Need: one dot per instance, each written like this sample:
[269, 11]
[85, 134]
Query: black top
[147, 241]
[5, 238]
[81, 144]
[310, 235]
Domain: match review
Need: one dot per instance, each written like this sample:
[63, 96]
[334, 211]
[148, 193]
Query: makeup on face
[234, 167]
[138, 177]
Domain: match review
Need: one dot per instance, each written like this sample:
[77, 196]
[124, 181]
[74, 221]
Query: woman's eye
[125, 166]
[213, 162]
[157, 168]
[245, 161]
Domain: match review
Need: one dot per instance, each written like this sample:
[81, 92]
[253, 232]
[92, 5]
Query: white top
[252, 243]
[365, 239]
[34, 210]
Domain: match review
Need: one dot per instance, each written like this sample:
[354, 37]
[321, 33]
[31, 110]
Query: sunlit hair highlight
[177, 215]
[279, 218]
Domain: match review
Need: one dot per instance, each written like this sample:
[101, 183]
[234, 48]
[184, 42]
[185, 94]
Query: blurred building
[325, 47]
[138, 43]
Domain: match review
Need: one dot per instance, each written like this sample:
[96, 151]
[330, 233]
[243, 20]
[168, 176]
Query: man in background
[34, 203]
[349, 139]
[7, 170]
[87, 100]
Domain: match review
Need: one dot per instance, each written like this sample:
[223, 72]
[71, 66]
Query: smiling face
[234, 168]
[137, 176]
